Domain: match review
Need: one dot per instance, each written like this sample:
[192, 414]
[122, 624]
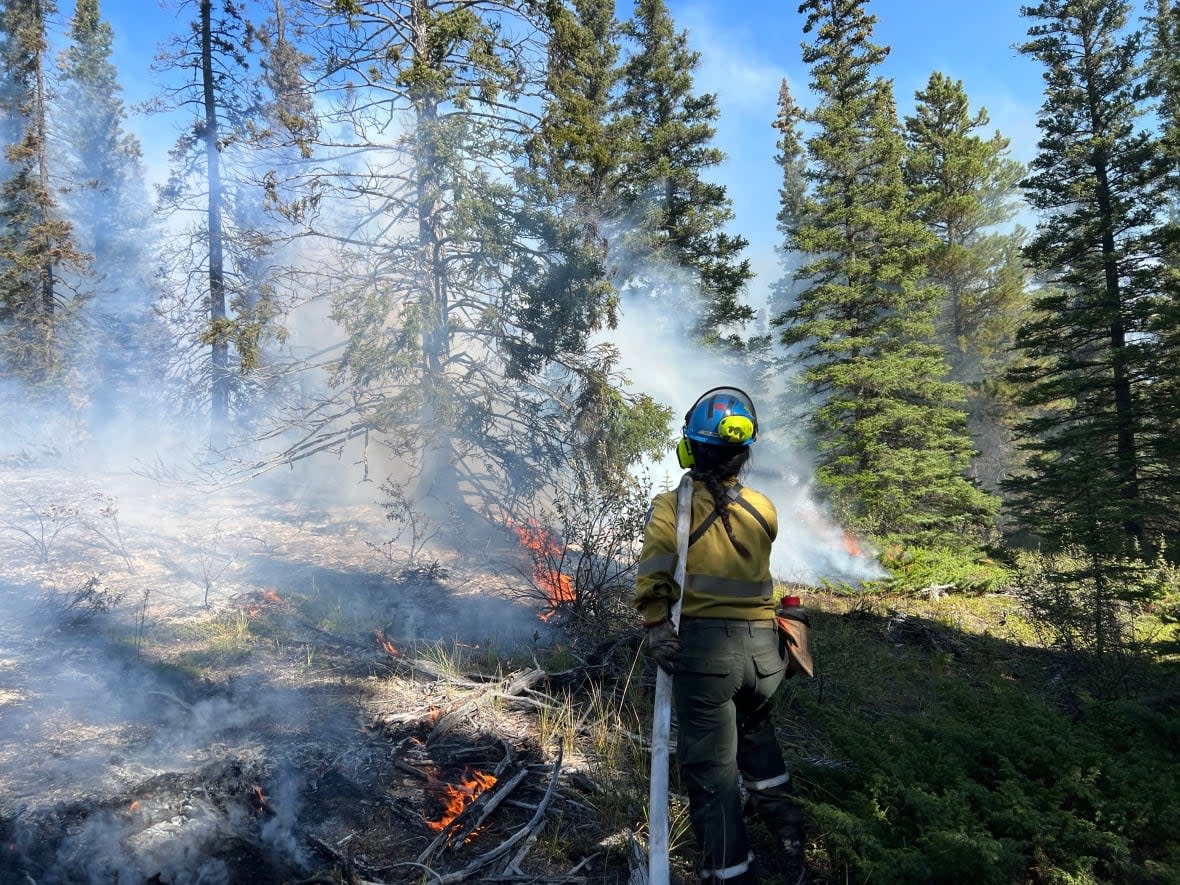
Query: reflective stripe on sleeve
[730, 872]
[664, 562]
[727, 586]
[767, 783]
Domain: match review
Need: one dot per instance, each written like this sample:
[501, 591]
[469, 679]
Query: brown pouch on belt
[793, 630]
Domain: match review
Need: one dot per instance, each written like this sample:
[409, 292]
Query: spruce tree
[964, 187]
[107, 199]
[889, 430]
[1163, 68]
[792, 192]
[36, 242]
[108, 203]
[1100, 184]
[675, 216]
[1163, 394]
[575, 144]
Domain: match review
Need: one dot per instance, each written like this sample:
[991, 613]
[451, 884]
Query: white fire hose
[657, 816]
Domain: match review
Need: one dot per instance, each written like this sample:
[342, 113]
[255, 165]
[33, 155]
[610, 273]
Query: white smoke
[660, 360]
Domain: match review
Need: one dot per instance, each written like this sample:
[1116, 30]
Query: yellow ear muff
[735, 429]
[684, 454]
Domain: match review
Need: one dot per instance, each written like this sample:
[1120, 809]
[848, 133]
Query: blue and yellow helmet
[723, 416]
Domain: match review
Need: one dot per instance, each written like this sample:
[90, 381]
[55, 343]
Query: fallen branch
[514, 685]
[483, 860]
[494, 802]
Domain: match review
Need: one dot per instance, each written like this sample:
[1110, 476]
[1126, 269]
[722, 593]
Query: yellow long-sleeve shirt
[719, 582]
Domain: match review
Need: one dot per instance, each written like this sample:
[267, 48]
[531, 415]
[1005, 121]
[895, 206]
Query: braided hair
[713, 465]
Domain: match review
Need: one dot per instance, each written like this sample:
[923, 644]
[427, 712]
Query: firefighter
[727, 658]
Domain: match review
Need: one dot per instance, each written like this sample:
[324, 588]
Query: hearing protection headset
[723, 416]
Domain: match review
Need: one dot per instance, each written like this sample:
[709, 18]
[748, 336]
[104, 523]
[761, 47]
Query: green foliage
[1097, 475]
[890, 432]
[916, 767]
[964, 189]
[36, 242]
[666, 135]
[1093, 608]
[949, 569]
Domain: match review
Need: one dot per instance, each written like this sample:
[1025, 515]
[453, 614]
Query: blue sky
[747, 47]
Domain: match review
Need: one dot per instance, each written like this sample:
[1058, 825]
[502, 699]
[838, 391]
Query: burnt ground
[193, 690]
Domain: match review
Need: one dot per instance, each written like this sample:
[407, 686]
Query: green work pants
[725, 681]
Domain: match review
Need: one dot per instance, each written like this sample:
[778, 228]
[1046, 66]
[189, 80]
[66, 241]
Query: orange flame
[850, 544]
[260, 798]
[388, 647]
[456, 797]
[546, 551]
[269, 599]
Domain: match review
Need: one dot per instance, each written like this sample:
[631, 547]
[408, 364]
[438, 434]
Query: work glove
[663, 645]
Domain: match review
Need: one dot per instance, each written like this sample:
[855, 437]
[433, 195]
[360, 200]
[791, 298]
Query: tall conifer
[108, 204]
[676, 216]
[890, 432]
[1100, 185]
[36, 242]
[965, 188]
[792, 161]
[471, 278]
[213, 183]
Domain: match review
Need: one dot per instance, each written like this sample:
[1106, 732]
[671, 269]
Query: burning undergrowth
[257, 702]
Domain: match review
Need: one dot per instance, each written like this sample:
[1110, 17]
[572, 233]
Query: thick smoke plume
[661, 360]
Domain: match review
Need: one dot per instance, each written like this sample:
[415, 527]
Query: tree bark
[219, 412]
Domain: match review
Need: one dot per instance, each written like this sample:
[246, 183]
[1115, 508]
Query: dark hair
[713, 465]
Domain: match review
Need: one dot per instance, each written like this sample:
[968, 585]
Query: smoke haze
[659, 359]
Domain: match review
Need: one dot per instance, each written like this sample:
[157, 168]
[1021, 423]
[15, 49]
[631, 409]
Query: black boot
[781, 815]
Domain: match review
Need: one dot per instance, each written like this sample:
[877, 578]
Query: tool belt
[793, 630]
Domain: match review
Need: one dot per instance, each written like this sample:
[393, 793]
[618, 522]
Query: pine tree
[676, 217]
[890, 432]
[1101, 187]
[964, 186]
[35, 241]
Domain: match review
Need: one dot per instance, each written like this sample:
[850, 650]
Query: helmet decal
[722, 416]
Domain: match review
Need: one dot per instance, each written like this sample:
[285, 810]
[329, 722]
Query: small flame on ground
[386, 646]
[269, 599]
[259, 798]
[456, 797]
[546, 552]
[851, 545]
[134, 806]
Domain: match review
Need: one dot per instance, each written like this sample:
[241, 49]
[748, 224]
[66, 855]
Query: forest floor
[271, 683]
[234, 686]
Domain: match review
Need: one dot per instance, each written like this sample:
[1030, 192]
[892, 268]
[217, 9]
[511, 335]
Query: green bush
[914, 569]
[984, 780]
